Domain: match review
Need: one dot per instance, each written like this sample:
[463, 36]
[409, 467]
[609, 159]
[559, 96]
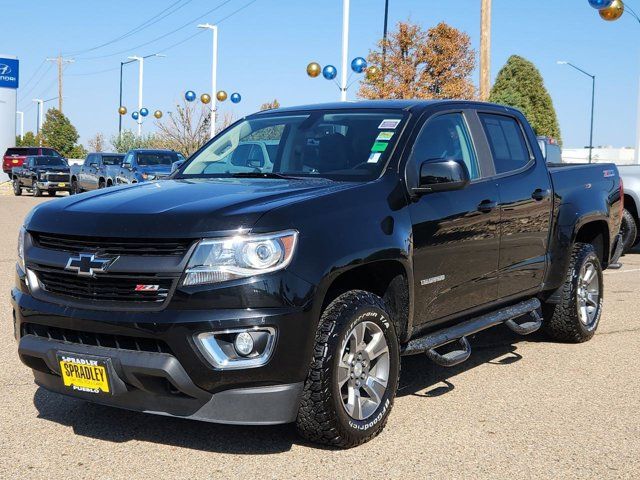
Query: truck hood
[174, 208]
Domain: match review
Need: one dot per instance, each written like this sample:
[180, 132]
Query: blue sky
[265, 47]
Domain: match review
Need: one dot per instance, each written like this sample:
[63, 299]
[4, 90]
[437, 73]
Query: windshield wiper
[263, 175]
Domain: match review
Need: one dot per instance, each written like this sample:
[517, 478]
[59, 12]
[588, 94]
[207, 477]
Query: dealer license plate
[84, 374]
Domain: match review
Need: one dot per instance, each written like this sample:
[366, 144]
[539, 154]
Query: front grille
[122, 342]
[104, 288]
[112, 246]
[58, 177]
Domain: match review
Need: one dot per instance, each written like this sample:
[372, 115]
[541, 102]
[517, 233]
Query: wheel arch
[596, 233]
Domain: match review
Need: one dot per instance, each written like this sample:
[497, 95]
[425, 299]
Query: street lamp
[140, 61]
[18, 112]
[593, 93]
[214, 72]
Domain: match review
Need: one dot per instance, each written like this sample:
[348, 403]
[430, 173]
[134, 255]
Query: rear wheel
[628, 230]
[75, 188]
[101, 184]
[354, 373]
[575, 318]
[17, 190]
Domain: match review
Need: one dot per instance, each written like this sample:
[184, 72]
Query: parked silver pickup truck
[630, 175]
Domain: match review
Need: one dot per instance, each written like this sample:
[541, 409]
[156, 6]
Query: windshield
[148, 159]
[340, 145]
[112, 159]
[49, 162]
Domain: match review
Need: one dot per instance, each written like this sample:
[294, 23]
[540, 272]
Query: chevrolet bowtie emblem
[87, 265]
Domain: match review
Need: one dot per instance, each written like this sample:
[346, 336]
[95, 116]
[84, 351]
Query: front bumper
[57, 186]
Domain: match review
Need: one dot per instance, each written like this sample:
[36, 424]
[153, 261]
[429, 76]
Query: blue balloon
[135, 115]
[600, 4]
[358, 64]
[144, 112]
[235, 97]
[190, 95]
[329, 72]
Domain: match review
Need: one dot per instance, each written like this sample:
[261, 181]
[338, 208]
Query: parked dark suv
[15, 156]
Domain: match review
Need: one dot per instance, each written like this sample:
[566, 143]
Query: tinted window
[112, 159]
[446, 138]
[127, 159]
[21, 151]
[50, 151]
[150, 159]
[507, 142]
[89, 160]
[49, 162]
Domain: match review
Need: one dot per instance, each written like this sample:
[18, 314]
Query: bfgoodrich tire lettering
[563, 321]
[322, 416]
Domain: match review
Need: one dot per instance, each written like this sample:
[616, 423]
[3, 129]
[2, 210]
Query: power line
[189, 23]
[44, 74]
[34, 74]
[151, 21]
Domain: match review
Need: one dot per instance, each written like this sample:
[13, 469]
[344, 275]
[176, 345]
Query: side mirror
[93, 164]
[441, 176]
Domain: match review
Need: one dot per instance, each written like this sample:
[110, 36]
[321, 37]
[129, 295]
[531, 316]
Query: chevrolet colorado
[288, 293]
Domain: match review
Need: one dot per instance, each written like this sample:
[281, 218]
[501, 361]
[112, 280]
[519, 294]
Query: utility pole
[384, 30]
[61, 62]
[485, 50]
[214, 74]
[21, 123]
[345, 49]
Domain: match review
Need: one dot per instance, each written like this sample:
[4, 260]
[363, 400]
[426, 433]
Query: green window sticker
[379, 147]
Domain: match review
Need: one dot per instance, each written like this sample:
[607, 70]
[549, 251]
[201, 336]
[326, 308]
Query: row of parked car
[40, 170]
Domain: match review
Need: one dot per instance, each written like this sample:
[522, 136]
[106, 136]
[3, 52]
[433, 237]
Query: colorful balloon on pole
[329, 72]
[612, 12]
[600, 4]
[144, 112]
[135, 115]
[190, 96]
[221, 95]
[205, 98]
[358, 64]
[157, 114]
[122, 110]
[372, 72]
[235, 97]
[314, 69]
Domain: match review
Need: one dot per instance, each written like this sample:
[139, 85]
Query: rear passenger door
[525, 203]
[455, 233]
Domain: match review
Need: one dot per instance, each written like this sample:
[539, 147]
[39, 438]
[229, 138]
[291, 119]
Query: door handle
[486, 206]
[540, 194]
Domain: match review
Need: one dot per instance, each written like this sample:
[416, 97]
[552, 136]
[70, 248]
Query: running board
[459, 332]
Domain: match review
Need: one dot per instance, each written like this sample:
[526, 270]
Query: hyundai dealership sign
[9, 73]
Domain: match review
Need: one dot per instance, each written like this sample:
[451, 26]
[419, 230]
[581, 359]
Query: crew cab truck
[143, 165]
[41, 173]
[98, 171]
[288, 294]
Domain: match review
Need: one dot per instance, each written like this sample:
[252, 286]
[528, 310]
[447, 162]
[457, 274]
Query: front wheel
[17, 189]
[628, 230]
[353, 375]
[36, 190]
[575, 318]
[52, 193]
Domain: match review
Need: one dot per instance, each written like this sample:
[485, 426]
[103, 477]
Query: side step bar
[459, 332]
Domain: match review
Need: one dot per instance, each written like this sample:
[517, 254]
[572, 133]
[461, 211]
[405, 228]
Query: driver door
[455, 233]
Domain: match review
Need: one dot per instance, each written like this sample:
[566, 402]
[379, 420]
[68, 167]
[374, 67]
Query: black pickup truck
[98, 171]
[288, 293]
[41, 173]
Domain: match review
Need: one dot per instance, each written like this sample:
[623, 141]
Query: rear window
[508, 146]
[112, 159]
[14, 152]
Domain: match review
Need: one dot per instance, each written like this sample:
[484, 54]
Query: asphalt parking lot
[519, 408]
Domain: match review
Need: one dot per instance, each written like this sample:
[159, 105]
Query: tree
[270, 105]
[29, 139]
[128, 140]
[58, 132]
[186, 129]
[520, 85]
[437, 63]
[97, 143]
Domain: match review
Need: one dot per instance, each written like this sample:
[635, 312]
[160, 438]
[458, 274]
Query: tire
[17, 189]
[323, 416]
[575, 319]
[629, 231]
[52, 193]
[101, 184]
[75, 188]
[36, 190]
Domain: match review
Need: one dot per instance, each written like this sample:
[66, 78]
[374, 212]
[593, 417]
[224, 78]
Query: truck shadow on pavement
[420, 377]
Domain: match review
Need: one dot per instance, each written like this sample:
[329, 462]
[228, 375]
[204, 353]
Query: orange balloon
[612, 12]
[372, 72]
[314, 69]
[122, 110]
[221, 95]
[205, 98]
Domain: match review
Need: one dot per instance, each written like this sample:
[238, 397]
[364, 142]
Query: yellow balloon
[221, 95]
[314, 69]
[205, 98]
[122, 110]
[612, 12]
[372, 71]
[157, 114]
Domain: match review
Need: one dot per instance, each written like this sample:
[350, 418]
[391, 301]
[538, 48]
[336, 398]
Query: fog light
[243, 343]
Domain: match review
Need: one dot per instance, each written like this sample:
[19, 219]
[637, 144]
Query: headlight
[21, 235]
[220, 259]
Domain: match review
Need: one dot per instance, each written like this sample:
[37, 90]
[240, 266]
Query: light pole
[21, 123]
[39, 114]
[214, 71]
[122, 64]
[140, 61]
[593, 97]
[345, 49]
[485, 49]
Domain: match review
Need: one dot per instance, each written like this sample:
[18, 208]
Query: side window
[127, 160]
[507, 142]
[88, 160]
[446, 137]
